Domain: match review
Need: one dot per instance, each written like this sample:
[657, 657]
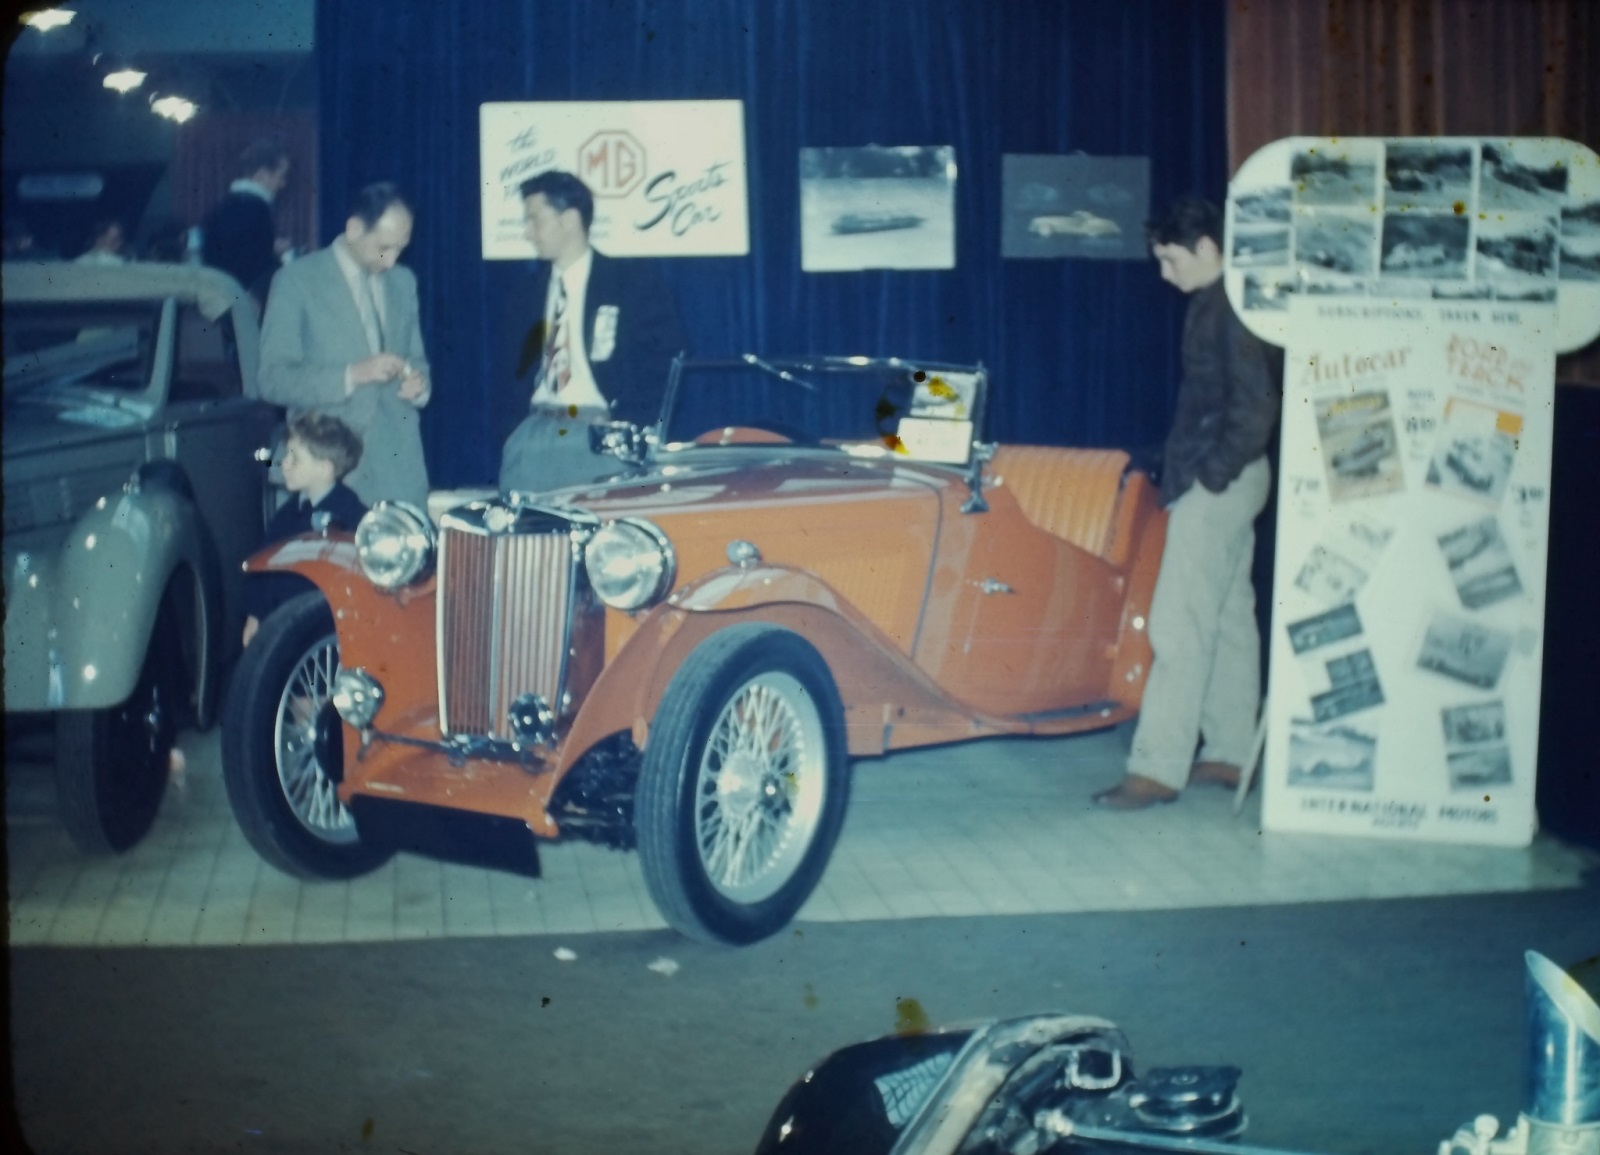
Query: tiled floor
[999, 827]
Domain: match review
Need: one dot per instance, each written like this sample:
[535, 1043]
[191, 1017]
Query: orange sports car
[804, 563]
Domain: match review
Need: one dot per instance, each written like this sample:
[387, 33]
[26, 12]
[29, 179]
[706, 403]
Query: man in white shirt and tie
[601, 340]
[342, 336]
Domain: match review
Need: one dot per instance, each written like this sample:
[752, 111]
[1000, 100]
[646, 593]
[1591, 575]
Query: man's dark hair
[1186, 220]
[267, 153]
[564, 191]
[328, 439]
[375, 200]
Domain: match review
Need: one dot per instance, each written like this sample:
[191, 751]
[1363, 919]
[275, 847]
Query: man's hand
[414, 388]
[378, 369]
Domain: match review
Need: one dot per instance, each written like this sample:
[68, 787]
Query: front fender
[878, 685]
[378, 631]
[81, 610]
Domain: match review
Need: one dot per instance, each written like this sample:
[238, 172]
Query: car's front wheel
[112, 764]
[744, 784]
[283, 750]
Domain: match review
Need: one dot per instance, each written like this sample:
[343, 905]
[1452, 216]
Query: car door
[1020, 622]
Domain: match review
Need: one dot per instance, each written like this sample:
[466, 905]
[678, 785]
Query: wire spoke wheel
[744, 784]
[761, 786]
[283, 748]
[305, 737]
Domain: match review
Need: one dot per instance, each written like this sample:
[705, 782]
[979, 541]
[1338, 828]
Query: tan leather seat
[1071, 493]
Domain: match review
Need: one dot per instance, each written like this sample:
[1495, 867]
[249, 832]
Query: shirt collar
[576, 275]
[251, 188]
[347, 260]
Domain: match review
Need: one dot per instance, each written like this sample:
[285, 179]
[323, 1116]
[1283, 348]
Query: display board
[1421, 290]
[668, 176]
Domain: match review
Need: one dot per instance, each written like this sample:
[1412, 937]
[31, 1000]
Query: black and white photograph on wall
[1334, 242]
[1327, 177]
[1480, 564]
[1468, 651]
[877, 208]
[1074, 206]
[1344, 557]
[1475, 451]
[1265, 292]
[1580, 242]
[1516, 252]
[1427, 175]
[1523, 175]
[1360, 446]
[1419, 245]
[1331, 756]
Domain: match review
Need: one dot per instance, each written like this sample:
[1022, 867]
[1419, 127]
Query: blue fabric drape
[1081, 352]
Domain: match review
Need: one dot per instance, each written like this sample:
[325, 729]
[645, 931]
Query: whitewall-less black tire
[744, 785]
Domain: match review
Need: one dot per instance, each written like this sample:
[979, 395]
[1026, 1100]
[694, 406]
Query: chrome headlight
[395, 544]
[630, 564]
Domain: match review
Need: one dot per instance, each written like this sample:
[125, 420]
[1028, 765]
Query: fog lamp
[357, 696]
[533, 722]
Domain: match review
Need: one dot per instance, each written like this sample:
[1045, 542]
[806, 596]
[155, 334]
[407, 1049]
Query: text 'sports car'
[131, 497]
[808, 562]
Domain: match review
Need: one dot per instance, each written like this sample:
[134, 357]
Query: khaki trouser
[1205, 679]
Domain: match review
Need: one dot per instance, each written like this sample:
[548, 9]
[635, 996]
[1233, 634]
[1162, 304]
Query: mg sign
[611, 163]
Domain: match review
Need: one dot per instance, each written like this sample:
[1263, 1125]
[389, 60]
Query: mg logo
[611, 163]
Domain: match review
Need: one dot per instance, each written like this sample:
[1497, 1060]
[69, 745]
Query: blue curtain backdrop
[1081, 352]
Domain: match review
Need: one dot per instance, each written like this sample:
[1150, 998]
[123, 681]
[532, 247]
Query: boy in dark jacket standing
[1205, 679]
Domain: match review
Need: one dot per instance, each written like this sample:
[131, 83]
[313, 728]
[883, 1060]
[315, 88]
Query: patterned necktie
[557, 362]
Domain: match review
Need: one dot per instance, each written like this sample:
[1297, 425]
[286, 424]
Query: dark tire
[744, 785]
[282, 751]
[112, 764]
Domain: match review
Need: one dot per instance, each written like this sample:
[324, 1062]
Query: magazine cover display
[1421, 289]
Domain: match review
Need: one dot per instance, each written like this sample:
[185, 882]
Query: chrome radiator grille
[505, 604]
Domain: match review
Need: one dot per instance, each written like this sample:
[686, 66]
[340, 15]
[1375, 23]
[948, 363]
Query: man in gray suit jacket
[341, 336]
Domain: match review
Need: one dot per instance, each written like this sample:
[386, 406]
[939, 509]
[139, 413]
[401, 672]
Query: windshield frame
[811, 373]
[76, 383]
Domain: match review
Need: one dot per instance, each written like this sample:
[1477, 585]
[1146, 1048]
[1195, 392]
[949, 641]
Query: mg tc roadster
[803, 563]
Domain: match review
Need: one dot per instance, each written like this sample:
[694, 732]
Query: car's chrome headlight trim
[630, 563]
[395, 544]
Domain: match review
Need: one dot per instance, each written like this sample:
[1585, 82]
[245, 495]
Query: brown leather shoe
[1135, 792]
[1215, 774]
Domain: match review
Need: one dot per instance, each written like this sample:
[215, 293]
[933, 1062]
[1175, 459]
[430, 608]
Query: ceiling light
[124, 79]
[174, 108]
[48, 18]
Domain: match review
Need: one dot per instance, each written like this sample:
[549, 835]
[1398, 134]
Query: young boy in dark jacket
[321, 450]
